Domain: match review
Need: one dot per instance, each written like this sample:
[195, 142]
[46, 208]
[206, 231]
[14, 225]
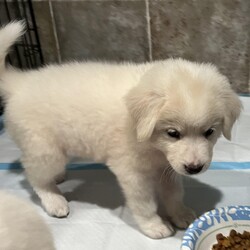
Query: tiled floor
[141, 30]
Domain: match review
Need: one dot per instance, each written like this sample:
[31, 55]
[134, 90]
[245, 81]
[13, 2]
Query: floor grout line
[58, 52]
[149, 30]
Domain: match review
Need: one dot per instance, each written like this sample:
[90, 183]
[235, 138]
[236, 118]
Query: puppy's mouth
[186, 170]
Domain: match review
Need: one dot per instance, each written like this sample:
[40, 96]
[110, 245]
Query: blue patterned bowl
[201, 235]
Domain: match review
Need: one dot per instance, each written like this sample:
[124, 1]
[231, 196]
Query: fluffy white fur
[21, 227]
[123, 115]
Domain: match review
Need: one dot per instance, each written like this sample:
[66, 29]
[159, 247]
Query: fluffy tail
[8, 36]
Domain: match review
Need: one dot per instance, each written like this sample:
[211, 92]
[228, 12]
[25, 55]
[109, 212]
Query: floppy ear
[232, 112]
[144, 106]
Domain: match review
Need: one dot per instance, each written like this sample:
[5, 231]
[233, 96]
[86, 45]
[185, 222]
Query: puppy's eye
[173, 133]
[209, 132]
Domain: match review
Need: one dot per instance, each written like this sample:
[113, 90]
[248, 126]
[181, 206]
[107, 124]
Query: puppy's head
[181, 108]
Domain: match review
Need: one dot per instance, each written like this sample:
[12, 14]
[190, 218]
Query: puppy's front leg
[139, 189]
[171, 193]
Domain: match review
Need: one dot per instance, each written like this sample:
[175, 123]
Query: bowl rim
[193, 232]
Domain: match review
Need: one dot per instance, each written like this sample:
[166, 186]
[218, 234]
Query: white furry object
[149, 123]
[21, 227]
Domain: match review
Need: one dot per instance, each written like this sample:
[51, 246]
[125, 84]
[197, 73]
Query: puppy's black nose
[193, 169]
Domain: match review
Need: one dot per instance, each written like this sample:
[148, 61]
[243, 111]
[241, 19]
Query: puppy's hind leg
[43, 164]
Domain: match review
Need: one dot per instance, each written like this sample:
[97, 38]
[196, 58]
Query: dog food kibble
[235, 241]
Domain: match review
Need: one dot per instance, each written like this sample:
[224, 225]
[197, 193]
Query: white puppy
[150, 123]
[21, 227]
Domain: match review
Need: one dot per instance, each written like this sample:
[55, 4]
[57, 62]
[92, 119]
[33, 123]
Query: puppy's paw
[56, 206]
[183, 217]
[157, 230]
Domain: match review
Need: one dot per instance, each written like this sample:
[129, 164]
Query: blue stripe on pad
[229, 165]
[244, 94]
[73, 166]
[95, 166]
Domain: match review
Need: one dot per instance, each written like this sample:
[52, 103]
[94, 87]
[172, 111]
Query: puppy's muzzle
[193, 169]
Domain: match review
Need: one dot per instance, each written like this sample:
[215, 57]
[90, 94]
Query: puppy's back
[21, 228]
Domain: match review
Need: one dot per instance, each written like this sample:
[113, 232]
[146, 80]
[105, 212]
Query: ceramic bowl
[201, 234]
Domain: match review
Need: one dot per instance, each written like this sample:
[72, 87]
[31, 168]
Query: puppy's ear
[232, 112]
[144, 106]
